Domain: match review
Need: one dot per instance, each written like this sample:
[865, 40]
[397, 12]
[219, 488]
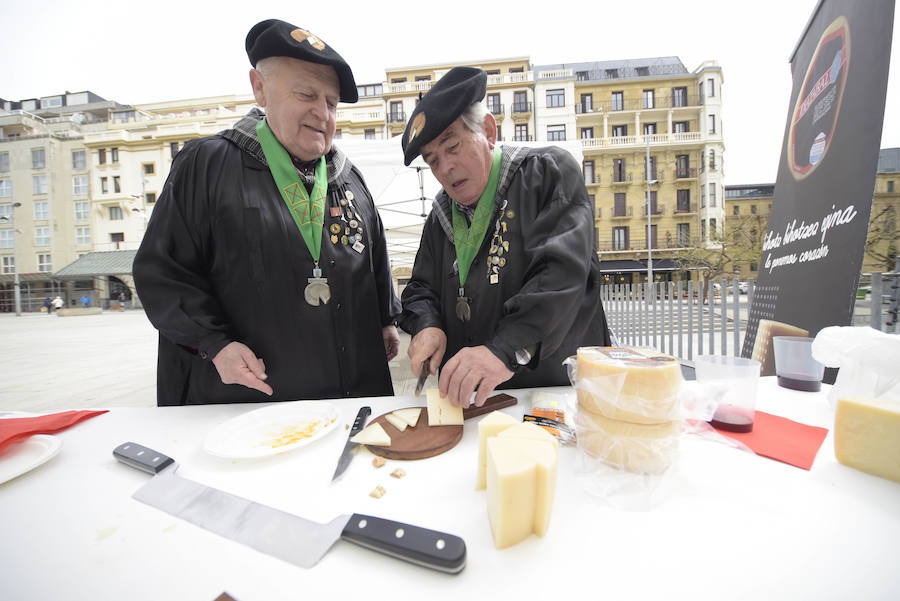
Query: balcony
[655, 140]
[497, 110]
[397, 117]
[685, 173]
[657, 210]
[685, 208]
[622, 212]
[638, 104]
[521, 111]
[500, 79]
[522, 139]
[621, 178]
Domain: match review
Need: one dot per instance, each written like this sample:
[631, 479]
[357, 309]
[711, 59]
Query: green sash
[309, 216]
[468, 239]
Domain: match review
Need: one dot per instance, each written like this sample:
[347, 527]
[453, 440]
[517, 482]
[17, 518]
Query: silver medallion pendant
[317, 291]
[463, 311]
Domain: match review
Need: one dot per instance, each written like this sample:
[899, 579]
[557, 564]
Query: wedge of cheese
[521, 485]
[867, 436]
[441, 412]
[529, 431]
[373, 434]
[396, 421]
[410, 416]
[490, 425]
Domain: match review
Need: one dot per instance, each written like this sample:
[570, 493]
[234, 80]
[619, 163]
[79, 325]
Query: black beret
[441, 106]
[273, 37]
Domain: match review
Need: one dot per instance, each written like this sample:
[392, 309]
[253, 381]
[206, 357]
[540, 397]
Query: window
[493, 104]
[150, 198]
[42, 236]
[41, 210]
[649, 129]
[712, 159]
[582, 75]
[642, 71]
[681, 127]
[7, 238]
[556, 133]
[587, 133]
[703, 229]
[684, 234]
[619, 131]
[752, 266]
[517, 69]
[679, 97]
[618, 101]
[38, 184]
[587, 103]
[104, 185]
[711, 87]
[423, 77]
[5, 188]
[712, 195]
[38, 158]
[651, 237]
[682, 165]
[81, 210]
[619, 208]
[520, 102]
[890, 185]
[492, 72]
[6, 210]
[654, 209]
[588, 170]
[370, 134]
[398, 80]
[173, 148]
[652, 169]
[43, 263]
[117, 184]
[683, 201]
[648, 99]
[82, 235]
[79, 159]
[618, 170]
[713, 231]
[149, 168]
[753, 209]
[80, 184]
[556, 98]
[396, 114]
[521, 133]
[113, 155]
[337, 134]
[620, 238]
[499, 133]
[9, 264]
[712, 123]
[101, 156]
[117, 237]
[4, 161]
[612, 73]
[115, 213]
[737, 210]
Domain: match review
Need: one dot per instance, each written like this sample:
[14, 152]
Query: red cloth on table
[781, 439]
[17, 428]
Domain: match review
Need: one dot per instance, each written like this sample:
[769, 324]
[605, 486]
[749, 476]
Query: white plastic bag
[869, 362]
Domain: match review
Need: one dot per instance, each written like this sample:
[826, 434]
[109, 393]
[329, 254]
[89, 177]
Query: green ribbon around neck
[468, 239]
[309, 215]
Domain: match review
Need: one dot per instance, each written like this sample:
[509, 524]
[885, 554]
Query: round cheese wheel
[638, 448]
[632, 385]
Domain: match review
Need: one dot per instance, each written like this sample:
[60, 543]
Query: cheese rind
[441, 412]
[521, 485]
[410, 415]
[490, 425]
[396, 422]
[372, 434]
[867, 436]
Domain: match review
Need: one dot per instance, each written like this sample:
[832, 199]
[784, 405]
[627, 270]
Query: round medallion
[510, 214]
[334, 228]
[502, 262]
[354, 223]
[349, 195]
[345, 240]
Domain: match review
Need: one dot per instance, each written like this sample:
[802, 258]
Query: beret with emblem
[274, 37]
[441, 106]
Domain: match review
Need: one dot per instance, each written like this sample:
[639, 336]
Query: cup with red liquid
[794, 364]
[731, 382]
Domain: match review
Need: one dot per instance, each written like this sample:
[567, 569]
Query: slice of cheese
[867, 436]
[637, 448]
[373, 434]
[490, 425]
[410, 416]
[521, 484]
[396, 421]
[441, 412]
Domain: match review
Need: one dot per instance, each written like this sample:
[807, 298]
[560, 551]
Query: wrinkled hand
[237, 364]
[391, 341]
[472, 367]
[429, 342]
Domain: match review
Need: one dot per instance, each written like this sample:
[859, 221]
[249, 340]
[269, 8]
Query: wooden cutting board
[422, 440]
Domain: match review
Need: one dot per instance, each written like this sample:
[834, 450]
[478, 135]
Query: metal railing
[521, 107]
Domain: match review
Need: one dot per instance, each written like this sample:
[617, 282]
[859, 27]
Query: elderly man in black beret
[264, 265]
[506, 282]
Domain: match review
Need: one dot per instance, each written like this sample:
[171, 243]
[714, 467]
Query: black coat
[548, 289]
[222, 260]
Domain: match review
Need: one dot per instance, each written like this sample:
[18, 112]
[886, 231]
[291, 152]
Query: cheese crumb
[378, 462]
[398, 473]
[378, 492]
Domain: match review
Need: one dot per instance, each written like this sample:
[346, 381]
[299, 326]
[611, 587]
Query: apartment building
[747, 209]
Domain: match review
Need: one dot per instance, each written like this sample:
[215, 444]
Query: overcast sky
[167, 49]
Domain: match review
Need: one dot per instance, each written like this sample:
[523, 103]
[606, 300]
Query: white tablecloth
[732, 525]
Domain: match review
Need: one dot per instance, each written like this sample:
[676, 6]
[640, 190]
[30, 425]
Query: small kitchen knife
[280, 534]
[423, 375]
[358, 424]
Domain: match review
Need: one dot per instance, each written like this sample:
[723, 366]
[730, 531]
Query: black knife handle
[428, 548]
[360, 421]
[142, 458]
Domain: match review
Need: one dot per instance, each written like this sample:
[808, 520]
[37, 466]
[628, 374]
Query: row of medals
[495, 261]
[347, 231]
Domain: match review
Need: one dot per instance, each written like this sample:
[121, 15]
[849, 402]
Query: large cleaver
[283, 535]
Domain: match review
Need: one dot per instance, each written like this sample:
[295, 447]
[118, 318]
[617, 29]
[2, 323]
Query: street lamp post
[18, 292]
[649, 222]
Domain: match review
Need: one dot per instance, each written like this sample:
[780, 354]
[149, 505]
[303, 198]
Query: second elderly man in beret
[264, 266]
[506, 282]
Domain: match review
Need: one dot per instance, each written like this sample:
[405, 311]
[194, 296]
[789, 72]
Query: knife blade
[280, 534]
[423, 375]
[347, 453]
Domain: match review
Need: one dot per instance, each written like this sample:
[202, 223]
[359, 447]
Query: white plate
[272, 430]
[25, 455]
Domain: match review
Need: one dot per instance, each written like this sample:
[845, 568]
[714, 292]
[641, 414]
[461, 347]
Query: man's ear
[490, 129]
[257, 82]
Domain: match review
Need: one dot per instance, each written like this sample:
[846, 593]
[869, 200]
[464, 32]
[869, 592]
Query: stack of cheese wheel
[628, 412]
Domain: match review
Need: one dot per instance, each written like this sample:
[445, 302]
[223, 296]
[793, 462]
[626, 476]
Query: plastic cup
[794, 364]
[732, 383]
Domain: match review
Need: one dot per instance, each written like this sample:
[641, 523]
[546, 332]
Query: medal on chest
[463, 310]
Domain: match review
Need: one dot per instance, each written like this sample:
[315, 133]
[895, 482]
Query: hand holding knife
[358, 424]
[423, 375]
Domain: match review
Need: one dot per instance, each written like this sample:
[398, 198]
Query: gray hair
[473, 117]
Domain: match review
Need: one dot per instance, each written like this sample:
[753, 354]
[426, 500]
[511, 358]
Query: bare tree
[883, 241]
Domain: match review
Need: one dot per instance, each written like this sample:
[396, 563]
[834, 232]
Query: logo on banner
[819, 102]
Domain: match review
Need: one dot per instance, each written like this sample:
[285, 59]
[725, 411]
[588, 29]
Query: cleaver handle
[142, 458]
[428, 548]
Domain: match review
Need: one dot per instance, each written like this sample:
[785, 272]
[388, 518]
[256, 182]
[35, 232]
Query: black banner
[815, 241]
